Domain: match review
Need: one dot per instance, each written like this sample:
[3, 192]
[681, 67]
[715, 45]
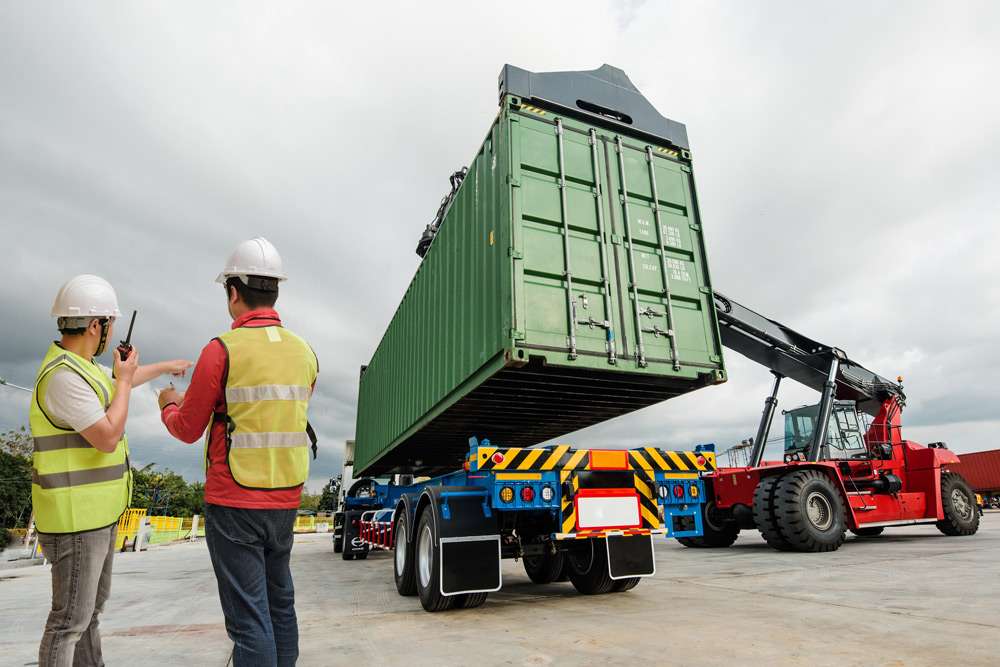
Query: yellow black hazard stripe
[646, 491]
[562, 457]
[610, 532]
[568, 506]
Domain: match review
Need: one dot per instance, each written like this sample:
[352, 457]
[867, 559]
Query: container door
[667, 301]
[565, 292]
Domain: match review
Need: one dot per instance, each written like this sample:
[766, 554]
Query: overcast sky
[846, 159]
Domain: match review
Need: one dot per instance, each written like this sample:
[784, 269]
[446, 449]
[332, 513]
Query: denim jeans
[81, 584]
[250, 552]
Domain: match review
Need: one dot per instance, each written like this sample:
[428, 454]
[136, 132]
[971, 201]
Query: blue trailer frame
[501, 491]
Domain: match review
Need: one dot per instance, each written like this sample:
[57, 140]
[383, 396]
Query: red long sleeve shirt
[207, 395]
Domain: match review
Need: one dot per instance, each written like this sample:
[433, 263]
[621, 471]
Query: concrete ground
[910, 597]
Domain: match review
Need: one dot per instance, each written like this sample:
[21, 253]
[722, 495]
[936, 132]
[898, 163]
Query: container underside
[523, 406]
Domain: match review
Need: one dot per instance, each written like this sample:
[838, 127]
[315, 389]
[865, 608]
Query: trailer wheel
[763, 513]
[588, 567]
[809, 511]
[403, 571]
[871, 531]
[622, 585]
[470, 600]
[719, 531]
[961, 516]
[546, 568]
[428, 565]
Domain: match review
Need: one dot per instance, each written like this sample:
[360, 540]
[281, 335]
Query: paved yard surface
[910, 597]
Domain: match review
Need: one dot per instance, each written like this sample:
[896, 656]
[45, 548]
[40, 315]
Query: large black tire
[871, 531]
[961, 516]
[719, 531]
[809, 511]
[544, 568]
[622, 585]
[588, 567]
[403, 570]
[469, 600]
[763, 513]
[427, 563]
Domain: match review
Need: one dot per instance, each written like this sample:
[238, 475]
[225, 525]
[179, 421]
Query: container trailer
[563, 282]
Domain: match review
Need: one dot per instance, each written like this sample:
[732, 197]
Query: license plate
[607, 508]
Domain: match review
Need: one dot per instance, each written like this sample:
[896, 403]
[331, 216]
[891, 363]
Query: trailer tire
[809, 511]
[622, 585]
[717, 531]
[546, 568]
[470, 600]
[403, 570]
[961, 515]
[763, 513]
[588, 568]
[870, 531]
[427, 564]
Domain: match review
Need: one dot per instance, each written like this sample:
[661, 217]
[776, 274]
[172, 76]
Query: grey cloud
[846, 166]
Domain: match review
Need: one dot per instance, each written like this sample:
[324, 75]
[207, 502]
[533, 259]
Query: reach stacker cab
[845, 464]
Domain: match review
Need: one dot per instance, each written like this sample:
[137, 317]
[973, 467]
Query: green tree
[165, 492]
[310, 501]
[15, 481]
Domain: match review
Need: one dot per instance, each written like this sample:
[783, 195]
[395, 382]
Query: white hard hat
[85, 297]
[256, 257]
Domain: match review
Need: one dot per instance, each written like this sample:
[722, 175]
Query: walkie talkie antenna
[126, 345]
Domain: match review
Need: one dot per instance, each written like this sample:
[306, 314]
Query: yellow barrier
[128, 525]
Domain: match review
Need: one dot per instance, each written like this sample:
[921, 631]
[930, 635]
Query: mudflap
[631, 556]
[353, 546]
[469, 539]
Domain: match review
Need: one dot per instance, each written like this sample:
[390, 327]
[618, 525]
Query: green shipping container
[567, 285]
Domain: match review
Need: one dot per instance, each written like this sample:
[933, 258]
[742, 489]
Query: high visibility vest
[269, 380]
[74, 486]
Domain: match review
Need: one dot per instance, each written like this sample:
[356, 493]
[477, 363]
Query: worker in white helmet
[81, 477]
[251, 389]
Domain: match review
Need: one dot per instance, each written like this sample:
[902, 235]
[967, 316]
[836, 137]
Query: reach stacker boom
[845, 464]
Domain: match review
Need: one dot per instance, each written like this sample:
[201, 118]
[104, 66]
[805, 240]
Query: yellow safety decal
[557, 454]
[535, 110]
[519, 476]
[678, 462]
[530, 458]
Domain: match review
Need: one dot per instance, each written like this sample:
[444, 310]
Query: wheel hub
[961, 503]
[401, 548]
[819, 511]
[425, 556]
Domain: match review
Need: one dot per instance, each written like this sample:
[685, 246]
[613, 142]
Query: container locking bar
[568, 274]
[670, 332]
[603, 250]
[633, 278]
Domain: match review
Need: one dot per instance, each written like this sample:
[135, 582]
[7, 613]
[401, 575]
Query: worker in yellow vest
[81, 480]
[249, 395]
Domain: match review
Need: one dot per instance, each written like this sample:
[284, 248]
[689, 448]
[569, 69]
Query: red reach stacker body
[844, 465]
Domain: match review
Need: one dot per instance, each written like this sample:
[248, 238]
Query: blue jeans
[250, 552]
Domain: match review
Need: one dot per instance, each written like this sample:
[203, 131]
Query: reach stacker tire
[427, 561]
[809, 511]
[872, 531]
[545, 568]
[403, 570]
[961, 515]
[469, 600]
[588, 567]
[719, 533]
[764, 516]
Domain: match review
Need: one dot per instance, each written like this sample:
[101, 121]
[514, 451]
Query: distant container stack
[567, 283]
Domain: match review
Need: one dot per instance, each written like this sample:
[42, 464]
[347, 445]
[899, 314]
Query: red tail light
[527, 494]
[678, 491]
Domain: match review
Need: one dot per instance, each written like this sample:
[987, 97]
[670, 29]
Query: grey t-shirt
[71, 402]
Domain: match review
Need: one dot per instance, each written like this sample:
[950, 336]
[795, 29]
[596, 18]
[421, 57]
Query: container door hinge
[705, 290]
[515, 254]
[685, 168]
[516, 334]
[715, 358]
[513, 182]
[616, 240]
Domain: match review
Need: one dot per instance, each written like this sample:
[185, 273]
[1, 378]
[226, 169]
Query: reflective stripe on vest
[75, 487]
[268, 385]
